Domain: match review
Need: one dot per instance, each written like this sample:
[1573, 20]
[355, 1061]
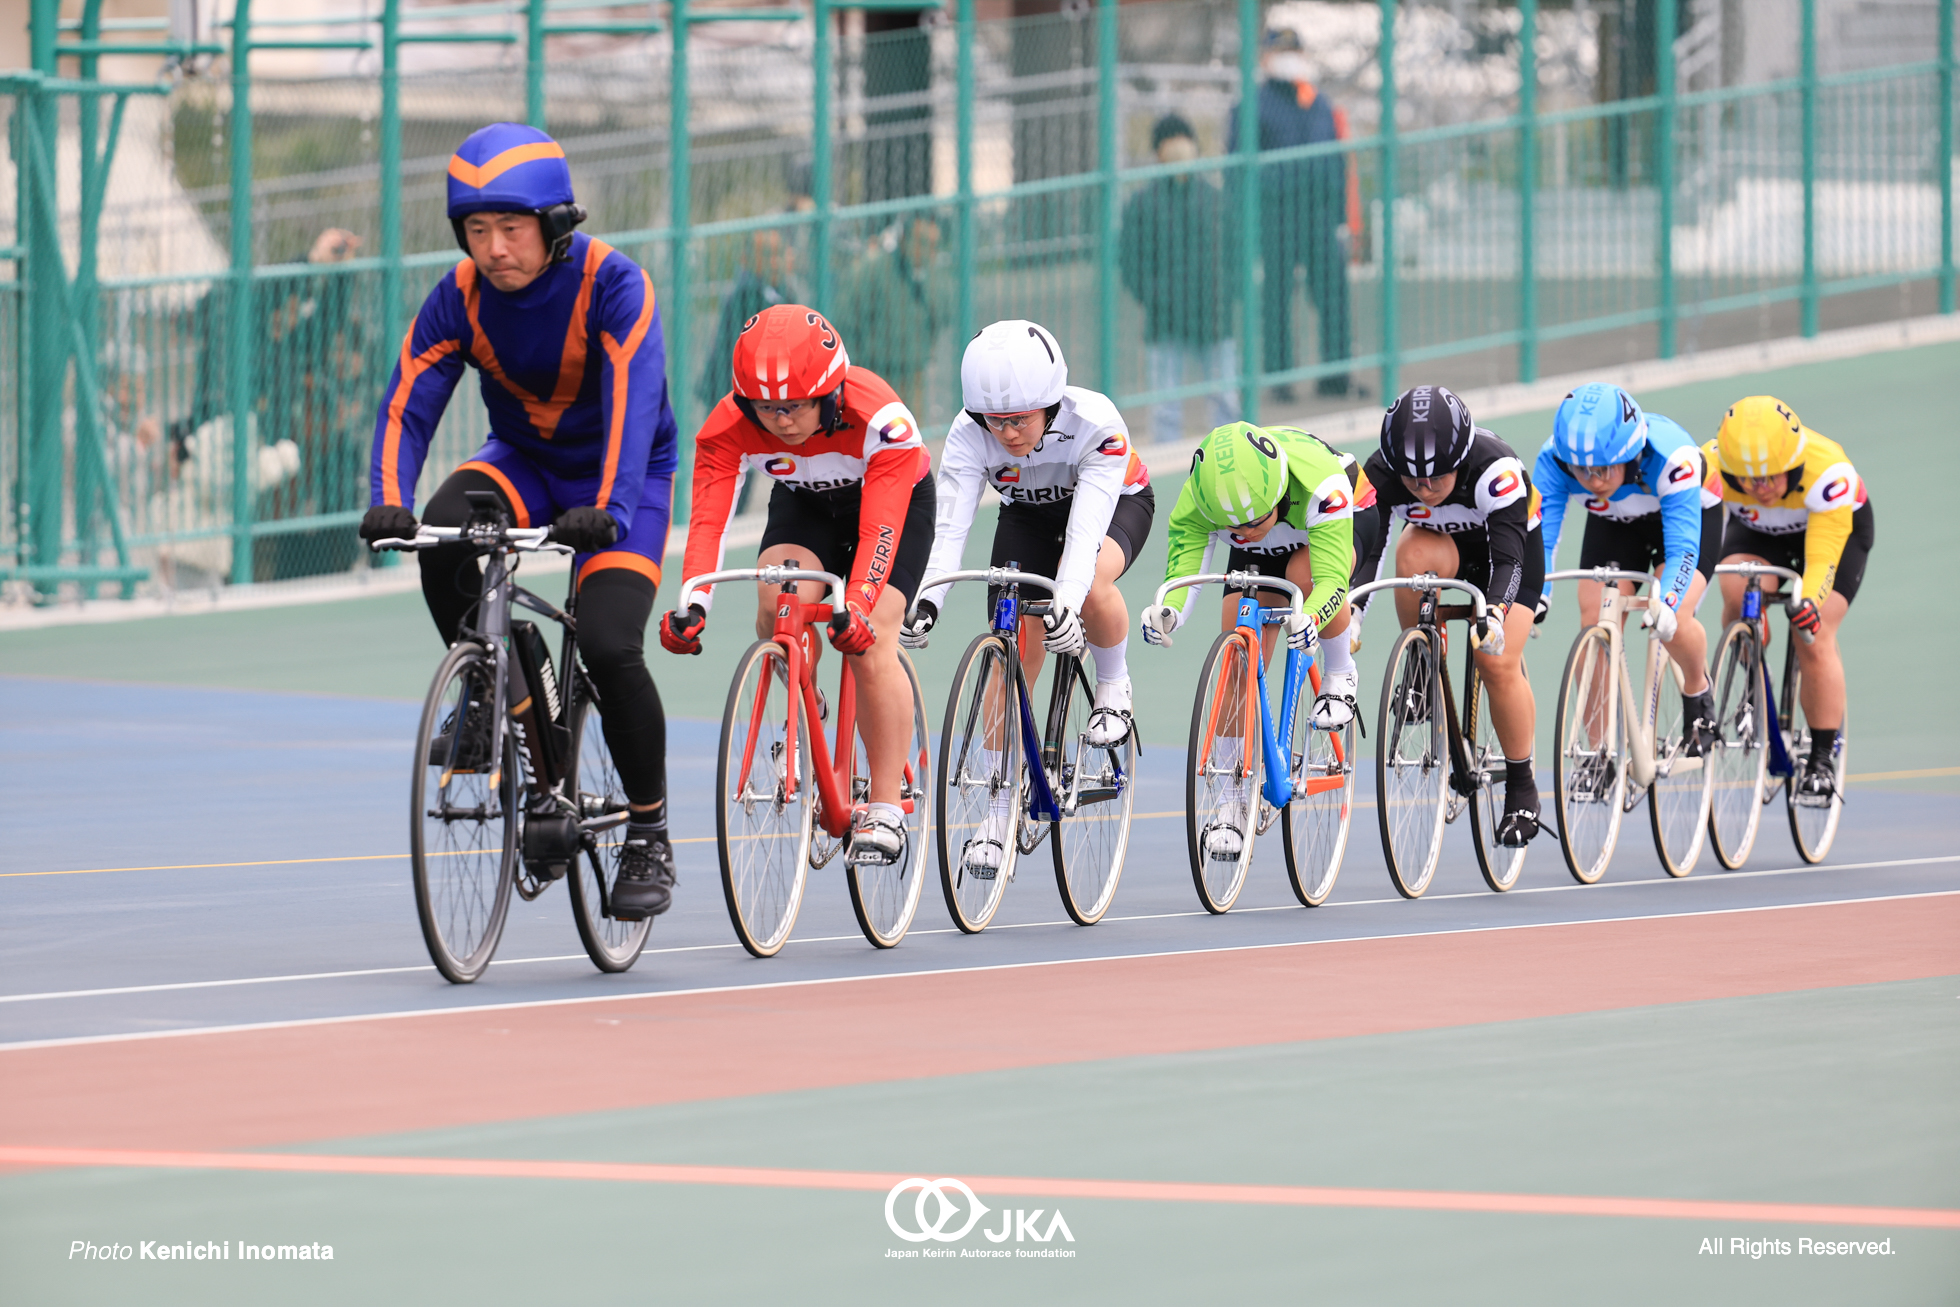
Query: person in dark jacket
[1175, 251]
[1301, 207]
[767, 276]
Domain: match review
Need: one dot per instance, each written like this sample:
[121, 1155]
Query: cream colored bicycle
[1614, 747]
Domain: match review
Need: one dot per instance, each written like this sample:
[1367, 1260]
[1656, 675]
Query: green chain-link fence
[1450, 191]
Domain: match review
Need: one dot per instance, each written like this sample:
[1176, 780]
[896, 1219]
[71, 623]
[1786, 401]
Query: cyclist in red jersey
[853, 495]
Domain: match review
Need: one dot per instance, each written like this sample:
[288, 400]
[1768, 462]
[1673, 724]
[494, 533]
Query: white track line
[471, 1008]
[1015, 925]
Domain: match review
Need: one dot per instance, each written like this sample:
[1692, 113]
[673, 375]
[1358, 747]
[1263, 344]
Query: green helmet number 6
[1237, 475]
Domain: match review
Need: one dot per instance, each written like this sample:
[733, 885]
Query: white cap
[1012, 367]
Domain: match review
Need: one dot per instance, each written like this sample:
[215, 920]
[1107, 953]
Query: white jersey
[1085, 458]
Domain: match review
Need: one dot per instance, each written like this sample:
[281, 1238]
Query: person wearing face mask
[1175, 252]
[1302, 206]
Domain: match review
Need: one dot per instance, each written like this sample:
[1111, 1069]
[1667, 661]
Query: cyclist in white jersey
[1078, 502]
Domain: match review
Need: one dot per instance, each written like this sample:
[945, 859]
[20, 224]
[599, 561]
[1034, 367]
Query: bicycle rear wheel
[1095, 785]
[612, 944]
[1677, 801]
[1315, 823]
[1411, 763]
[1590, 766]
[980, 784]
[886, 897]
[767, 800]
[1221, 783]
[1501, 866]
[1739, 757]
[1813, 825]
[464, 801]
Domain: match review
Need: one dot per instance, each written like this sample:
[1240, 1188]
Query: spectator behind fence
[892, 307]
[1302, 206]
[1177, 255]
[767, 276]
[307, 403]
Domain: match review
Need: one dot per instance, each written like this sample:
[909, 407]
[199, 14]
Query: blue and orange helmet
[512, 168]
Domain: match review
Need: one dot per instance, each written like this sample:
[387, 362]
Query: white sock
[1340, 658]
[989, 763]
[892, 810]
[1113, 663]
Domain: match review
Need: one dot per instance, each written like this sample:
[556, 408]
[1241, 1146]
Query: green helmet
[1237, 475]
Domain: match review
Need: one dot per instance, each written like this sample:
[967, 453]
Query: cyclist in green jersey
[1282, 503]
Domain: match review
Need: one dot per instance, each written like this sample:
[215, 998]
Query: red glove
[1806, 618]
[851, 631]
[681, 632]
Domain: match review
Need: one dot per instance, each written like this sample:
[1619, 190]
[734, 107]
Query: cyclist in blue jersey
[1640, 476]
[565, 337]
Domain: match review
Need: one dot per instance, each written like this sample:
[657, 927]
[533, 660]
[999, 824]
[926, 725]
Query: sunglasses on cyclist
[1018, 421]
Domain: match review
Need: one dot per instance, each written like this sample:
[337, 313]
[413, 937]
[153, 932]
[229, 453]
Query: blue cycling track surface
[307, 793]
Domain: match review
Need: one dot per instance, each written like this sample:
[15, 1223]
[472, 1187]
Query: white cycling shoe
[877, 838]
[988, 849]
[1335, 706]
[1225, 837]
[1109, 721]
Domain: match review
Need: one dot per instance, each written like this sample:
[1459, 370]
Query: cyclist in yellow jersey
[1794, 500]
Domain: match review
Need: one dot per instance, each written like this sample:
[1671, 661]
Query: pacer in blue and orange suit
[565, 338]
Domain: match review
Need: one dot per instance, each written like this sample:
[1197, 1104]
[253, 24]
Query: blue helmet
[1598, 425]
[511, 168]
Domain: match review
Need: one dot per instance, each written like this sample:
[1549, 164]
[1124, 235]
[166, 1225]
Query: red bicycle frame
[796, 622]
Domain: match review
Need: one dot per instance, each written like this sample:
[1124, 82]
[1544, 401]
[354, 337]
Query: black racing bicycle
[513, 785]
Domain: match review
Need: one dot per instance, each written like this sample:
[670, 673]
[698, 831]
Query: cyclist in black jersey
[1471, 512]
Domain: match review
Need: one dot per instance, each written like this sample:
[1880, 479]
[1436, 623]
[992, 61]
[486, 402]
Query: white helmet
[1012, 367]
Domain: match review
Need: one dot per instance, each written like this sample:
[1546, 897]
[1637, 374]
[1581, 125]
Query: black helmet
[1426, 432]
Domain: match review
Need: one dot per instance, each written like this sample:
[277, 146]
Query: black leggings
[613, 608]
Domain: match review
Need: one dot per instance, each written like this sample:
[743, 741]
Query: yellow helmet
[1761, 436]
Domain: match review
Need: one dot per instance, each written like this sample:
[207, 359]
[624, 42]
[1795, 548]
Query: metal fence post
[1664, 168]
[1946, 157]
[240, 355]
[1248, 171]
[391, 177]
[1391, 326]
[1528, 191]
[534, 63]
[44, 308]
[680, 204]
[820, 195]
[1809, 93]
[963, 117]
[1106, 160]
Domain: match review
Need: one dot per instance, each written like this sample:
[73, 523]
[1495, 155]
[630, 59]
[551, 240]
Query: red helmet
[788, 351]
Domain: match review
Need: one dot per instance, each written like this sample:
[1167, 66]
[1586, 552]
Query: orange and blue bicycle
[1308, 773]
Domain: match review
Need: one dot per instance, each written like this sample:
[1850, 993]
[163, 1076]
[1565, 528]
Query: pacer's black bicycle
[513, 786]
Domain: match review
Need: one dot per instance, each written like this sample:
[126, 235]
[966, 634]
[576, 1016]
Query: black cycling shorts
[1641, 545]
[1787, 550]
[826, 522]
[1032, 536]
[1473, 565]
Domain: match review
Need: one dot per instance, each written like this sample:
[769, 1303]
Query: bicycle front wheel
[885, 896]
[1589, 767]
[594, 788]
[1677, 801]
[980, 784]
[464, 802]
[1221, 779]
[1501, 866]
[1315, 822]
[767, 800]
[1411, 763]
[1739, 756]
[1095, 786]
[1813, 823]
